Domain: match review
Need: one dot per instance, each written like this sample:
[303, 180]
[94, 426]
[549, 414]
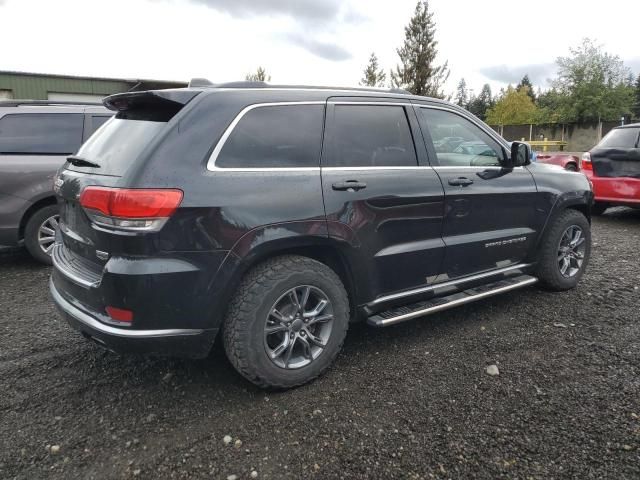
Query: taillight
[140, 209]
[585, 162]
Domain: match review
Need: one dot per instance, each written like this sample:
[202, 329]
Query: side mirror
[520, 154]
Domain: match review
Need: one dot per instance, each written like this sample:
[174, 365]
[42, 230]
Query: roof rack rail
[399, 90]
[19, 103]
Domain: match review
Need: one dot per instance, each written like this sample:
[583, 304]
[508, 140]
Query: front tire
[287, 322]
[39, 233]
[564, 251]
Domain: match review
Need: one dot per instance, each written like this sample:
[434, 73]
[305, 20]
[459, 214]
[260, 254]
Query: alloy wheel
[47, 233]
[298, 327]
[571, 251]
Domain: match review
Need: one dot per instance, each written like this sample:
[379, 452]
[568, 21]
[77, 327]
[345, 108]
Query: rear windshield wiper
[81, 162]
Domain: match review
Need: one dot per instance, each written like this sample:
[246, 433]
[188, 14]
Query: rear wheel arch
[33, 208]
[325, 252]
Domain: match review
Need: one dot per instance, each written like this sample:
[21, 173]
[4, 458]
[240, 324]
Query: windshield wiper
[81, 162]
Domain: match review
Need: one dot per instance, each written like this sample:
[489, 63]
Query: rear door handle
[460, 181]
[349, 185]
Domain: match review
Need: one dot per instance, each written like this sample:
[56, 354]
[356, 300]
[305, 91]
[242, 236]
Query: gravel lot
[411, 401]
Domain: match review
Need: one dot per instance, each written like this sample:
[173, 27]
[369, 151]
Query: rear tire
[556, 252]
[598, 208]
[571, 167]
[264, 303]
[37, 236]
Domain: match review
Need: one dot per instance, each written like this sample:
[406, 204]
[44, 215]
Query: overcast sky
[325, 42]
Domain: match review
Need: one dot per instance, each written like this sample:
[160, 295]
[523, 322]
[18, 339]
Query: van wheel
[598, 208]
[287, 322]
[39, 233]
[565, 251]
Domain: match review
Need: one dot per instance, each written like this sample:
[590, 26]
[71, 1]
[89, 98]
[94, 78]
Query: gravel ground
[411, 401]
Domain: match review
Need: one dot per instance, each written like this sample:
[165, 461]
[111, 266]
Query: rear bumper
[192, 343]
[616, 190]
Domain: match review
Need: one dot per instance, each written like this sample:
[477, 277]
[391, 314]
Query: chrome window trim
[369, 103]
[359, 169]
[473, 167]
[450, 283]
[211, 163]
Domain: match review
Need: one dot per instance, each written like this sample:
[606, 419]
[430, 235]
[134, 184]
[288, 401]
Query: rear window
[117, 145]
[280, 136]
[41, 133]
[620, 138]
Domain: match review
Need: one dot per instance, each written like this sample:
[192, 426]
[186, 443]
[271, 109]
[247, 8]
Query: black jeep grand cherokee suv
[275, 215]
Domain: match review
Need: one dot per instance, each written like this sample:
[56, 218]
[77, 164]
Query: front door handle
[349, 185]
[460, 181]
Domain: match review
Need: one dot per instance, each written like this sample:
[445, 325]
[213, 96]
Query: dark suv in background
[613, 166]
[277, 215]
[35, 139]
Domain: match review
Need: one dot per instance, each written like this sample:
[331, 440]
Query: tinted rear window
[117, 145]
[370, 136]
[41, 133]
[281, 136]
[97, 121]
[620, 138]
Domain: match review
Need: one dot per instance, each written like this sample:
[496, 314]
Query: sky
[313, 42]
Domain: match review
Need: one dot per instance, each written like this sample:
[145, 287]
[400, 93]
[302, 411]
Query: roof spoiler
[158, 105]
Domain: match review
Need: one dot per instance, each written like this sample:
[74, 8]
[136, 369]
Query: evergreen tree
[462, 95]
[483, 102]
[525, 82]
[417, 71]
[259, 76]
[373, 75]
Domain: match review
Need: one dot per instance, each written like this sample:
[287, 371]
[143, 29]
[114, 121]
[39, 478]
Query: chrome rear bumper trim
[94, 324]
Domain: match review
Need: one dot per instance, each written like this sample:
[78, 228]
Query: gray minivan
[35, 139]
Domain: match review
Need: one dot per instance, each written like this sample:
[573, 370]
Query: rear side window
[117, 145]
[97, 121]
[370, 136]
[41, 133]
[620, 138]
[277, 136]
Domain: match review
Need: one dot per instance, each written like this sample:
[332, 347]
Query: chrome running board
[419, 309]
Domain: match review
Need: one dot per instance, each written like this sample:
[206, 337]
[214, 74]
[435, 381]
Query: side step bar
[419, 309]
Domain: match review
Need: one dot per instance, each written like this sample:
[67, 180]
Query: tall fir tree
[483, 102]
[462, 94]
[373, 75]
[525, 82]
[418, 71]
